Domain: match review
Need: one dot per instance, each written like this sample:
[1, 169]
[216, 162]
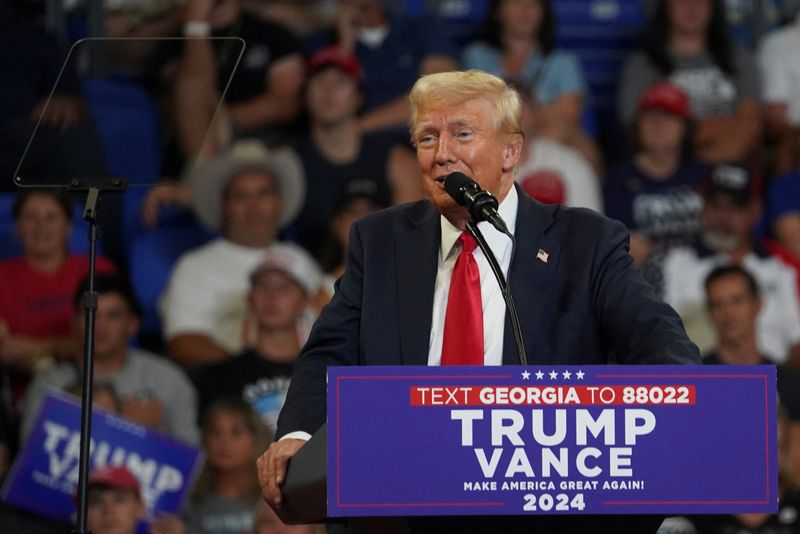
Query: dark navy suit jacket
[585, 303]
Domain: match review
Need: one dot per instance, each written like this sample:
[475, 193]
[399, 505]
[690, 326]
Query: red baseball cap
[665, 96]
[115, 476]
[333, 56]
[545, 185]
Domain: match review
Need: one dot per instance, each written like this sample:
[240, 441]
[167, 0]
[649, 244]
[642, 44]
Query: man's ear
[512, 151]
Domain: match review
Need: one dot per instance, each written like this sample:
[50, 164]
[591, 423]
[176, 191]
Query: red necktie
[463, 322]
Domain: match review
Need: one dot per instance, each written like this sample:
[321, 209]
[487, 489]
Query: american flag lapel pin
[542, 255]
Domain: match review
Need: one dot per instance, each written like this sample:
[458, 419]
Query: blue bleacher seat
[152, 252]
[602, 33]
[128, 122]
[9, 244]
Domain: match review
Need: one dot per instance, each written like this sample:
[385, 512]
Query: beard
[720, 241]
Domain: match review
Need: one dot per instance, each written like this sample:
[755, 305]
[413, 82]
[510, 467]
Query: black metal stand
[93, 188]
[505, 289]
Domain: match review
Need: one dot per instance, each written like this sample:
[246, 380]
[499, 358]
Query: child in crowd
[655, 192]
[227, 492]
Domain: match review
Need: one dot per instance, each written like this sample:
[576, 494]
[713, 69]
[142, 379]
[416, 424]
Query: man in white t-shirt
[729, 216]
[247, 194]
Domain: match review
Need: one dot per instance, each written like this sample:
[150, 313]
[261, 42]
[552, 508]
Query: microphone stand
[511, 309]
[90, 298]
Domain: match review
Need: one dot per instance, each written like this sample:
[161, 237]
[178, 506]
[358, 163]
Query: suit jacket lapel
[418, 240]
[530, 273]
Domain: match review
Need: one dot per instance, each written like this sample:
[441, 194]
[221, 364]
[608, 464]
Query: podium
[304, 491]
[542, 441]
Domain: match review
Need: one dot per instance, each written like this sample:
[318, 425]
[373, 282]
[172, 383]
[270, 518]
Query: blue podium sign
[551, 440]
[45, 474]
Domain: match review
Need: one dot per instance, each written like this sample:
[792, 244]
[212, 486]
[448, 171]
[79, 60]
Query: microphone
[480, 204]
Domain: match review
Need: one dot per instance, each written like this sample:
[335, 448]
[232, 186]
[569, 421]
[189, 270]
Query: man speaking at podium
[416, 290]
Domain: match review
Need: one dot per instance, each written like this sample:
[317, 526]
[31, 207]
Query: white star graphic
[566, 375]
[539, 375]
[525, 375]
[553, 375]
[579, 375]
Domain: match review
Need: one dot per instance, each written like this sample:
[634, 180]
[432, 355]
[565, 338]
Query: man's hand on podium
[272, 468]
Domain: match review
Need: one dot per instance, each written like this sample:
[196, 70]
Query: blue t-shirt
[392, 68]
[665, 211]
[557, 73]
[783, 197]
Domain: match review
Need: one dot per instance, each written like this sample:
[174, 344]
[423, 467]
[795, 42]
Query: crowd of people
[700, 162]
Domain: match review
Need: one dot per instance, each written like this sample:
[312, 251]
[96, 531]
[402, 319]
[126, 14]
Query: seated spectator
[356, 199]
[227, 492]
[394, 52]
[687, 43]
[552, 172]
[67, 143]
[733, 305]
[780, 70]
[152, 390]
[730, 212]
[282, 290]
[518, 43]
[247, 194]
[115, 504]
[336, 150]
[263, 96]
[37, 289]
[655, 192]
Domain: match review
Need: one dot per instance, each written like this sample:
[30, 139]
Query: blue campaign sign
[551, 440]
[45, 475]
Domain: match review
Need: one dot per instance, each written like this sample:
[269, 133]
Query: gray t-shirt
[144, 375]
[217, 514]
[711, 91]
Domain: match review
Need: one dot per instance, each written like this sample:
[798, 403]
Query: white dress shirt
[494, 307]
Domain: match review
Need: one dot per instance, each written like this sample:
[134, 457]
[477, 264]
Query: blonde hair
[447, 88]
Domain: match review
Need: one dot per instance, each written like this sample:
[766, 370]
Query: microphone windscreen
[454, 184]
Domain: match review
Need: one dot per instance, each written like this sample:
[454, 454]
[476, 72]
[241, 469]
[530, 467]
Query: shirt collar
[507, 211]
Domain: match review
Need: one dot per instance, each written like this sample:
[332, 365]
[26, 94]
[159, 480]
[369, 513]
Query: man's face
[464, 138]
[332, 96]
[113, 510]
[252, 209]
[728, 226]
[115, 324]
[660, 130]
[277, 300]
[42, 226]
[733, 309]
